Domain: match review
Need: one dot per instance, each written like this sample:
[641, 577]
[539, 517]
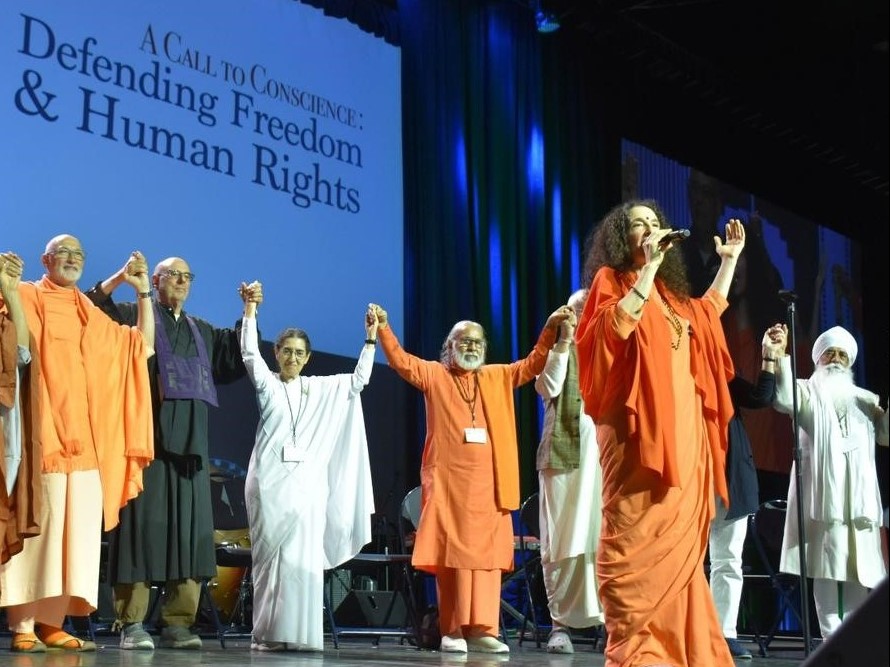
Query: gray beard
[834, 384]
[462, 362]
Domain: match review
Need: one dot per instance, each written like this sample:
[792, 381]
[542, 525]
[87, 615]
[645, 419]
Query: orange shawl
[630, 369]
[118, 398]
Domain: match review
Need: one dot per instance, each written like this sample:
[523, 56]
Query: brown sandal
[26, 642]
[56, 638]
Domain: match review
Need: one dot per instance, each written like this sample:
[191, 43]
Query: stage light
[545, 20]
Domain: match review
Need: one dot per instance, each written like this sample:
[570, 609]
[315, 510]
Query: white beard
[834, 383]
[468, 361]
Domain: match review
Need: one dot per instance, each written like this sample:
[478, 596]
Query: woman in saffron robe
[653, 372]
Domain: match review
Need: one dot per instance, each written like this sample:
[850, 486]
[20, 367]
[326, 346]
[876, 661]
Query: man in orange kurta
[95, 433]
[469, 474]
[653, 373]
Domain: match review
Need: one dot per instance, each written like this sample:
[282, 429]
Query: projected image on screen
[258, 141]
[782, 252]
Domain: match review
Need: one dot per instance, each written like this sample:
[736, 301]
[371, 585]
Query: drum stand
[242, 621]
[231, 555]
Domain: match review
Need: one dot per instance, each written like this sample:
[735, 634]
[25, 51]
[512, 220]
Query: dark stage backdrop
[783, 251]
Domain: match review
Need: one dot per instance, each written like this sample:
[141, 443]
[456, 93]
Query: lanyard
[465, 394]
[293, 419]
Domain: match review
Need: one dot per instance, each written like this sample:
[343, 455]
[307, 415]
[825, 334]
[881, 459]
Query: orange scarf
[118, 397]
[636, 371]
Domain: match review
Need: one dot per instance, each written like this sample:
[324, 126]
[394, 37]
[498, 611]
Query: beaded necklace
[465, 394]
[674, 321]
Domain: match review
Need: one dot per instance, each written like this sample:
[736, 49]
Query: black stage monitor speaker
[861, 640]
[372, 609]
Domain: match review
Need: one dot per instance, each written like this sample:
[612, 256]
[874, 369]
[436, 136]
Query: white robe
[571, 515]
[307, 516]
[842, 500]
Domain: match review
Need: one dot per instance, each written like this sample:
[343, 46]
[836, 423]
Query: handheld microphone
[674, 236]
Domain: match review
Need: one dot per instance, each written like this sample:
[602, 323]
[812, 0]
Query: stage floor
[352, 653]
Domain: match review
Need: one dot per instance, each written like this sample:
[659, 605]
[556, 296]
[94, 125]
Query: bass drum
[225, 587]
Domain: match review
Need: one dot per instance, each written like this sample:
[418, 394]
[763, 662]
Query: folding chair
[533, 573]
[383, 608]
[766, 528]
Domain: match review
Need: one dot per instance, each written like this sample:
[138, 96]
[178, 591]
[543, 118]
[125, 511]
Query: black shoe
[737, 650]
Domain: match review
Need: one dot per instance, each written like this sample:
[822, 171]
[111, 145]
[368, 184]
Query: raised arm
[410, 368]
[11, 268]
[256, 366]
[136, 274]
[362, 374]
[139, 314]
[784, 380]
[729, 252]
[549, 383]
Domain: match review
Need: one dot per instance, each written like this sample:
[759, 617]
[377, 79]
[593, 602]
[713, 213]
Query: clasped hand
[252, 293]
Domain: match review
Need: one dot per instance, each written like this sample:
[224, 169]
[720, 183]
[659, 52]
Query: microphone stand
[789, 298]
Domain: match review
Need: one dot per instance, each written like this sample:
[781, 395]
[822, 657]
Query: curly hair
[607, 245]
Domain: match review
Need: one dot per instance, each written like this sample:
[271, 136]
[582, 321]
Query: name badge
[293, 454]
[475, 435]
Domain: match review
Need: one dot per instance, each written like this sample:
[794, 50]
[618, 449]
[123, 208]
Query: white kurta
[11, 421]
[571, 516]
[310, 515]
[842, 500]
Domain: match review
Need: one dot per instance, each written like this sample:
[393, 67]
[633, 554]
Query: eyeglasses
[288, 352]
[466, 343]
[71, 253]
[833, 353]
[176, 275]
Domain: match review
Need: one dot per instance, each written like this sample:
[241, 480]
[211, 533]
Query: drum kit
[230, 588]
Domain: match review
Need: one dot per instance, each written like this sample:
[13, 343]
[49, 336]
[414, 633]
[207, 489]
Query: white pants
[835, 600]
[726, 541]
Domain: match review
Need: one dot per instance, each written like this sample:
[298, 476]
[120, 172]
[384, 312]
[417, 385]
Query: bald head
[165, 264]
[576, 300]
[63, 259]
[61, 240]
[172, 280]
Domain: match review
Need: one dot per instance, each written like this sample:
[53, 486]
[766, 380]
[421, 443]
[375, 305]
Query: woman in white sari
[308, 489]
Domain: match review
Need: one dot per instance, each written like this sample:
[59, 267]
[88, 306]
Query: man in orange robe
[469, 474]
[653, 371]
[96, 437]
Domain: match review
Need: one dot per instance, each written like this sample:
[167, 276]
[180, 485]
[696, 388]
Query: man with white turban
[839, 423]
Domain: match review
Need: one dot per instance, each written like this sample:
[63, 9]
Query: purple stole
[183, 377]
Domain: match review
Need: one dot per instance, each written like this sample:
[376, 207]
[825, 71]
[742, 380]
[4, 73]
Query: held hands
[382, 320]
[564, 315]
[567, 328]
[11, 268]
[372, 322]
[252, 293]
[135, 272]
[775, 340]
[735, 240]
